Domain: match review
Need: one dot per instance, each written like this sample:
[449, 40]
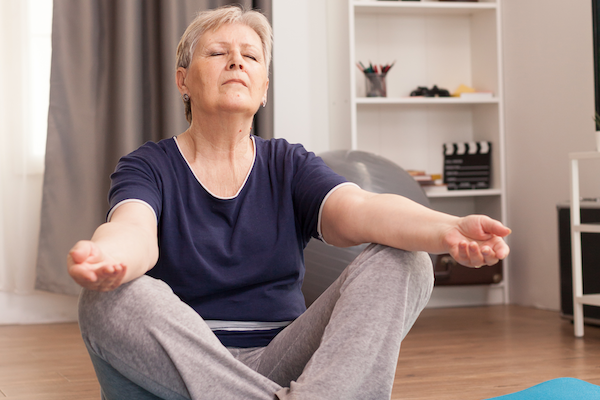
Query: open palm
[477, 240]
[92, 269]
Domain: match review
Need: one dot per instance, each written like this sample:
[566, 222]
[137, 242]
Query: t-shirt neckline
[204, 187]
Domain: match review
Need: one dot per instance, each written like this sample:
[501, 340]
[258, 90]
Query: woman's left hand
[477, 240]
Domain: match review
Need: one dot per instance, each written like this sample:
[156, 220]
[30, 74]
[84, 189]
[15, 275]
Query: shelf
[587, 228]
[577, 228]
[423, 100]
[435, 43]
[589, 299]
[443, 193]
[584, 155]
[421, 7]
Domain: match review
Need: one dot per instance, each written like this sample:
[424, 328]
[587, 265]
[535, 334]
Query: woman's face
[227, 72]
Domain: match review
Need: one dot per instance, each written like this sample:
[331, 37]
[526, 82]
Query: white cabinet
[432, 43]
[577, 228]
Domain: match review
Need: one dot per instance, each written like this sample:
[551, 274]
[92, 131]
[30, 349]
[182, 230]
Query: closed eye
[251, 57]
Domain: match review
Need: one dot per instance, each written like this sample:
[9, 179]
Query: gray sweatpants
[147, 344]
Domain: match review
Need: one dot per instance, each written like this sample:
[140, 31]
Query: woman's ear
[264, 99]
[180, 75]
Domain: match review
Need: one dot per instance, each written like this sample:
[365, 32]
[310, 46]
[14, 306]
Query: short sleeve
[313, 180]
[137, 178]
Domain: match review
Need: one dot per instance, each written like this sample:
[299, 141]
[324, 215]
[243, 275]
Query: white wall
[300, 73]
[310, 68]
[549, 100]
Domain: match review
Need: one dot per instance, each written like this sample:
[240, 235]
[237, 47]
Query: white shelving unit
[579, 299]
[433, 43]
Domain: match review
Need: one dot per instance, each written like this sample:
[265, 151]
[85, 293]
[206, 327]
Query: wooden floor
[45, 362]
[478, 353]
[463, 353]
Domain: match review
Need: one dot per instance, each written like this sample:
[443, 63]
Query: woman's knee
[104, 314]
[417, 263]
[420, 266]
[397, 267]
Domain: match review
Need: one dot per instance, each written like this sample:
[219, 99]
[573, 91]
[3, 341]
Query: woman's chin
[239, 106]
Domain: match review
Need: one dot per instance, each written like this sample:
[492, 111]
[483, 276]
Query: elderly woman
[192, 287]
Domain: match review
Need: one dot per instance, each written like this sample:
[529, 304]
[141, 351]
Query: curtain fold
[22, 113]
[112, 89]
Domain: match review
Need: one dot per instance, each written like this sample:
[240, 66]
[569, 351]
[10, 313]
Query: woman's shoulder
[278, 147]
[287, 158]
[153, 158]
[154, 152]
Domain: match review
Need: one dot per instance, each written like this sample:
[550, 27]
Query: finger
[111, 277]
[91, 277]
[489, 255]
[501, 249]
[106, 272]
[86, 251]
[476, 259]
[495, 227]
[82, 273]
[80, 252]
[87, 280]
[120, 275]
[463, 250]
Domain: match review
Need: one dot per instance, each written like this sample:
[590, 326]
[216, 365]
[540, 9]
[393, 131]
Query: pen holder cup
[375, 84]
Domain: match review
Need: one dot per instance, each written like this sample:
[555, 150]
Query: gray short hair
[213, 20]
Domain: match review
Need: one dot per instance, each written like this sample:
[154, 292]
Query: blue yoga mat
[557, 389]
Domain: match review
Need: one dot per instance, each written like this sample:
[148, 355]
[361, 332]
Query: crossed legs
[345, 345]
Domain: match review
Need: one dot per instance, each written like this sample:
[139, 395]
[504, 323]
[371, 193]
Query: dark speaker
[590, 260]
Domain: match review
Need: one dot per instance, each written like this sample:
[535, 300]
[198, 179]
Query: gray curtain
[112, 89]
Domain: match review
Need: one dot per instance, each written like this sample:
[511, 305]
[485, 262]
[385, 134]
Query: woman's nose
[236, 61]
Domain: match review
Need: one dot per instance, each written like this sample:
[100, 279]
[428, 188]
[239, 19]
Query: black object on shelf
[419, 91]
[438, 92]
[433, 92]
[590, 259]
[467, 165]
[448, 272]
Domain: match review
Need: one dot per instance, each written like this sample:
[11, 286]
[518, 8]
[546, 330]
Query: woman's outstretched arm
[352, 216]
[120, 250]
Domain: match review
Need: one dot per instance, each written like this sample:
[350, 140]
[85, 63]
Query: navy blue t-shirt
[237, 261]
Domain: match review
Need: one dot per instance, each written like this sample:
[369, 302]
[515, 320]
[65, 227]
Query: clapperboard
[467, 165]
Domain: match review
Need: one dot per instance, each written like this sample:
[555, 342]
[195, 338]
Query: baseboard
[466, 296]
[36, 308]
[586, 320]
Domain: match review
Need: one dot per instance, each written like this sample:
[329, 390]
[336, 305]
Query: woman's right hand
[91, 268]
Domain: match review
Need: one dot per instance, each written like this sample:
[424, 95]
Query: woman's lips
[241, 82]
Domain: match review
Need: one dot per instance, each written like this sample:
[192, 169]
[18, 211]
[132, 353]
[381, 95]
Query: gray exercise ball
[374, 173]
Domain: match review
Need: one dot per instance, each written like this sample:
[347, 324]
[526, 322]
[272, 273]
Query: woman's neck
[217, 140]
[220, 156]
